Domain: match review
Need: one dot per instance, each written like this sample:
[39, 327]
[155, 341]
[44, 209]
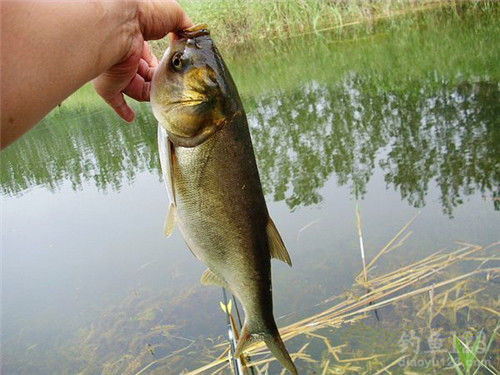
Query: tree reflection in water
[447, 136]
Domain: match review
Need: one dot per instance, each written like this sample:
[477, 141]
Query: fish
[213, 184]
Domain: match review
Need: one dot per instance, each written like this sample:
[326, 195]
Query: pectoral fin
[276, 246]
[169, 225]
[170, 166]
[210, 278]
[166, 151]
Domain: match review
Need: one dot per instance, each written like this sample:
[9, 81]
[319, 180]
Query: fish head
[192, 92]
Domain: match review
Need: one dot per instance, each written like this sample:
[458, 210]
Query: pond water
[398, 117]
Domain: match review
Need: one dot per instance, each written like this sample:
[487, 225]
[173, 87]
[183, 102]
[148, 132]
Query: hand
[132, 74]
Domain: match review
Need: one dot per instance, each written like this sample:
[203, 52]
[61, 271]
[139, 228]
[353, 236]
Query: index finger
[148, 56]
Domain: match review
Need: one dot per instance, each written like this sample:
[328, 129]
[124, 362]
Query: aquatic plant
[468, 356]
[405, 283]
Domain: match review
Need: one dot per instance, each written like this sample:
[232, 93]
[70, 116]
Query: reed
[238, 21]
[419, 279]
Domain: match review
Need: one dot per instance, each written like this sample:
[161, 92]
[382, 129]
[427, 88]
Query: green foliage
[468, 357]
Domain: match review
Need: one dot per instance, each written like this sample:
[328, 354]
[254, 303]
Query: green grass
[468, 357]
[238, 21]
[458, 47]
[455, 42]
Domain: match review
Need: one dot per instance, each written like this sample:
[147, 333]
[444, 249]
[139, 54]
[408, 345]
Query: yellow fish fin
[226, 308]
[210, 278]
[168, 226]
[277, 248]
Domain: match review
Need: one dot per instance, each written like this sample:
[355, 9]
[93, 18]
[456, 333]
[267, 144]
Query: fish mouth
[195, 31]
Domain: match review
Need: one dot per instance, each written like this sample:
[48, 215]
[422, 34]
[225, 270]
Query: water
[400, 117]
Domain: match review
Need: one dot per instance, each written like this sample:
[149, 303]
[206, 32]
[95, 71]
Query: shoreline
[235, 23]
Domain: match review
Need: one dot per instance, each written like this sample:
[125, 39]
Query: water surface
[399, 117]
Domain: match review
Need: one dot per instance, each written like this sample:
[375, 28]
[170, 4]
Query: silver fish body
[214, 185]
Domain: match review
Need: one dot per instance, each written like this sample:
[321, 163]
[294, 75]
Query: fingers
[148, 56]
[118, 103]
[145, 71]
[138, 89]
[140, 86]
[183, 21]
[131, 77]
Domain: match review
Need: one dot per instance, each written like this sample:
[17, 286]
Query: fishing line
[231, 339]
[241, 326]
[237, 311]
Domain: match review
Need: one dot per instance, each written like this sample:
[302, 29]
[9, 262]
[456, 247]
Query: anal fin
[210, 278]
[276, 246]
[168, 226]
[273, 341]
[246, 339]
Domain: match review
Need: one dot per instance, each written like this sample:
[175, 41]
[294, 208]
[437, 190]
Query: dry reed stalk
[390, 365]
[431, 304]
[387, 289]
[325, 368]
[339, 319]
[443, 295]
[384, 249]
[422, 290]
[446, 258]
[219, 370]
[299, 354]
[426, 260]
[485, 308]
[361, 246]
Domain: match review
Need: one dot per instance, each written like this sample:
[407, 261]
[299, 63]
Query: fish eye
[177, 61]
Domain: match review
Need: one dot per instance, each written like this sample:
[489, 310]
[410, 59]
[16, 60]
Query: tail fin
[273, 342]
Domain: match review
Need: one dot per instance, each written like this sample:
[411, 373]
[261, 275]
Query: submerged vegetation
[468, 355]
[405, 321]
[431, 302]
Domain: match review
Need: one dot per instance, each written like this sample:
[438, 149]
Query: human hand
[133, 71]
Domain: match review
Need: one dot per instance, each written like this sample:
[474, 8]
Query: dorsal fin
[277, 248]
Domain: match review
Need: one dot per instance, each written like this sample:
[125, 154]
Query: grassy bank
[238, 21]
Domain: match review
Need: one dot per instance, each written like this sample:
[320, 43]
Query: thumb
[158, 18]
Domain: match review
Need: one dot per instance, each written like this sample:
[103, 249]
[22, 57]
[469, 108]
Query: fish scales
[222, 209]
[213, 182]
